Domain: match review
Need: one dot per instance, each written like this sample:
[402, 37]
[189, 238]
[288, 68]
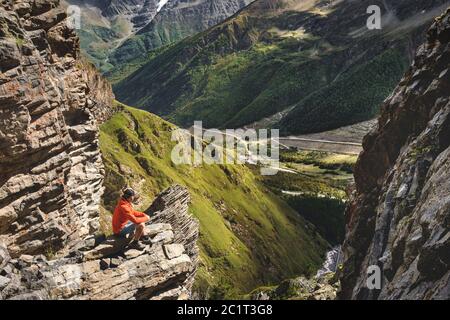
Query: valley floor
[314, 184]
[345, 140]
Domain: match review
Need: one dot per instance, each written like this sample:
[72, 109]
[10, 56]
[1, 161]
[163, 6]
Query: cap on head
[128, 193]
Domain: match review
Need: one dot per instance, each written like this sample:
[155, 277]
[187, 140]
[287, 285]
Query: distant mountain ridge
[316, 61]
[144, 9]
[116, 31]
[178, 19]
[106, 24]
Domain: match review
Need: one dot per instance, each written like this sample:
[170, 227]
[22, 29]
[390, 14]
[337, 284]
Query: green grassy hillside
[248, 236]
[316, 57]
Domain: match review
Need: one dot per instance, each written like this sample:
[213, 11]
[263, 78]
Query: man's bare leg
[139, 232]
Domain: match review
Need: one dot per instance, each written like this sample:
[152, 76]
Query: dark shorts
[128, 229]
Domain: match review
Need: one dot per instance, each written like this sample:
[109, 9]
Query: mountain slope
[399, 216]
[177, 20]
[274, 55]
[248, 236]
[106, 24]
[115, 32]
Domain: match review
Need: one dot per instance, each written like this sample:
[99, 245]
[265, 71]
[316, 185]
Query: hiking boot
[137, 245]
[146, 240]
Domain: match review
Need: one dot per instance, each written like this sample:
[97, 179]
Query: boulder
[4, 282]
[112, 246]
[173, 250]
[132, 253]
[104, 264]
[9, 54]
[153, 229]
[115, 262]
[4, 256]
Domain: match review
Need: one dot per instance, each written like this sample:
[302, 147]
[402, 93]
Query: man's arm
[138, 213]
[130, 213]
[142, 214]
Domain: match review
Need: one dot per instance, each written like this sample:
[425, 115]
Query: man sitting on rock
[127, 221]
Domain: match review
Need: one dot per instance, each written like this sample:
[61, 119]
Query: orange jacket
[123, 213]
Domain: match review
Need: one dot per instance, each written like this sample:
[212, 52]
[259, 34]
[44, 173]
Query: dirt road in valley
[345, 140]
[341, 147]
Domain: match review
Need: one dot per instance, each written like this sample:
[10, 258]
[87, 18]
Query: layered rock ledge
[107, 269]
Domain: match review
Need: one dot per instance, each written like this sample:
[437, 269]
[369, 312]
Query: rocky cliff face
[399, 217]
[51, 170]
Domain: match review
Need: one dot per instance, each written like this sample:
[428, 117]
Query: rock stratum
[399, 216]
[51, 176]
